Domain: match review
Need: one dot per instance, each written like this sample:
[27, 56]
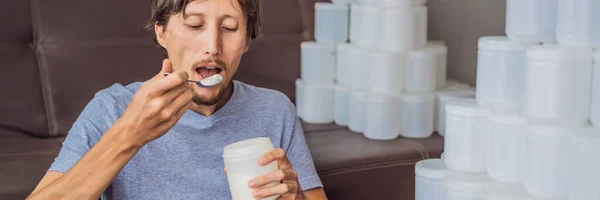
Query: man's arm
[315, 194]
[154, 109]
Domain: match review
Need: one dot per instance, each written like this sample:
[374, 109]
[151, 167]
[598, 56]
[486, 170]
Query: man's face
[208, 39]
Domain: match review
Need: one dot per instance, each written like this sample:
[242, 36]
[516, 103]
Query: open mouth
[207, 71]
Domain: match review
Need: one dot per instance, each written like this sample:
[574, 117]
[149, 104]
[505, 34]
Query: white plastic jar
[558, 85]
[319, 100]
[466, 135]
[465, 185]
[342, 104]
[331, 22]
[342, 65]
[241, 163]
[420, 75]
[356, 113]
[501, 73]
[585, 176]
[430, 175]
[595, 113]
[299, 98]
[388, 76]
[506, 148]
[398, 29]
[442, 60]
[370, 26]
[578, 24]
[531, 20]
[441, 99]
[317, 62]
[420, 25]
[382, 114]
[417, 112]
[546, 171]
[359, 63]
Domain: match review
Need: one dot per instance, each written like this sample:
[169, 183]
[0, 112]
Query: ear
[160, 35]
[247, 46]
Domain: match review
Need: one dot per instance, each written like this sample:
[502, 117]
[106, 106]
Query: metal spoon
[207, 82]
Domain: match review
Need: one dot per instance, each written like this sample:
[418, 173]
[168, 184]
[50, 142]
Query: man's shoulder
[114, 98]
[264, 96]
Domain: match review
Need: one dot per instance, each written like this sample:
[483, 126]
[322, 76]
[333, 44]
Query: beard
[205, 101]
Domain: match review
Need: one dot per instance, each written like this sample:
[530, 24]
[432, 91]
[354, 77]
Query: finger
[172, 94]
[181, 103]
[275, 176]
[271, 156]
[287, 187]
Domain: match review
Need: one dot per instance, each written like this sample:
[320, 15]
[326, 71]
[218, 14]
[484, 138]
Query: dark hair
[163, 9]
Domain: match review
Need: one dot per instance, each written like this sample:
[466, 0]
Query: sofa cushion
[353, 167]
[24, 160]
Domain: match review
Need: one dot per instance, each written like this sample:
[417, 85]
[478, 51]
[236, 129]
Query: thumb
[167, 67]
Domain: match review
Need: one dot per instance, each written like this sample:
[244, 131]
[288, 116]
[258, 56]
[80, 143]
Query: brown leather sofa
[56, 54]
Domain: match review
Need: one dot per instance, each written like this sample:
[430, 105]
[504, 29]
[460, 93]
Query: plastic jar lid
[501, 190]
[342, 88]
[540, 130]
[502, 116]
[249, 147]
[467, 182]
[400, 3]
[319, 85]
[431, 168]
[382, 98]
[386, 55]
[467, 107]
[458, 93]
[557, 53]
[318, 45]
[499, 43]
[424, 52]
[418, 98]
[587, 137]
[437, 47]
[330, 6]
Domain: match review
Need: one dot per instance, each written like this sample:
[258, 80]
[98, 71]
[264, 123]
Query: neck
[210, 110]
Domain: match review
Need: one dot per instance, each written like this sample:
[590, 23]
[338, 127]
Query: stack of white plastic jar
[372, 69]
[533, 130]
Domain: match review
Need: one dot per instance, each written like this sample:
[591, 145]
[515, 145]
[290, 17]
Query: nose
[212, 42]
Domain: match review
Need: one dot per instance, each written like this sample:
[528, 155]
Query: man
[163, 139]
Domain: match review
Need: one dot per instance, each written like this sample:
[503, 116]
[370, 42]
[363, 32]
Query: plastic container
[455, 85]
[420, 25]
[465, 185]
[299, 98]
[578, 24]
[595, 112]
[370, 26]
[441, 99]
[240, 160]
[506, 145]
[531, 20]
[388, 73]
[585, 176]
[442, 53]
[558, 85]
[466, 136]
[547, 164]
[417, 115]
[331, 22]
[319, 103]
[344, 1]
[382, 114]
[342, 104]
[398, 29]
[359, 68]
[430, 177]
[420, 75]
[354, 23]
[504, 191]
[317, 64]
[356, 113]
[342, 75]
[501, 73]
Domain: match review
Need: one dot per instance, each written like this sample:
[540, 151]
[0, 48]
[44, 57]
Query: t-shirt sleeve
[94, 120]
[300, 156]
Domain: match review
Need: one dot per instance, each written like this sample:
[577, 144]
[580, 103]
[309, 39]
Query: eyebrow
[200, 14]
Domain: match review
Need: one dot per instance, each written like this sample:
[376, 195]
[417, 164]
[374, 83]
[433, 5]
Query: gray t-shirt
[186, 163]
